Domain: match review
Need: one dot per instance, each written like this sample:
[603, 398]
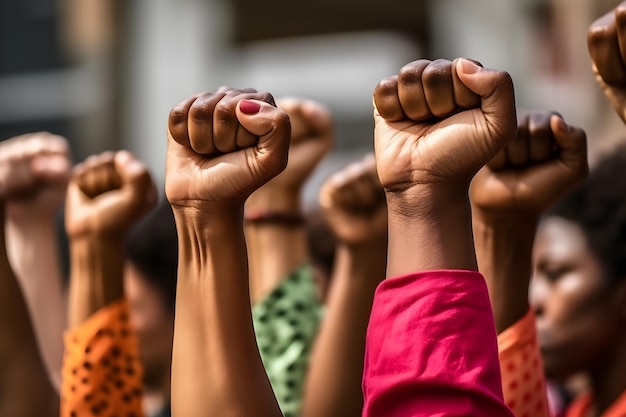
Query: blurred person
[353, 202]
[222, 146]
[25, 387]
[546, 159]
[150, 287]
[31, 238]
[107, 195]
[431, 345]
[578, 290]
[321, 244]
[286, 308]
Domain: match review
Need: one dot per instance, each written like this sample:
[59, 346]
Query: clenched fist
[222, 146]
[436, 124]
[606, 40]
[354, 203]
[545, 160]
[34, 171]
[107, 194]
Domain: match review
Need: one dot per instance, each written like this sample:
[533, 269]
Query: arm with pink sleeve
[432, 348]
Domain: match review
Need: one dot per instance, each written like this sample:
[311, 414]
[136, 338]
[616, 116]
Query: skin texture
[606, 40]
[24, 374]
[276, 248]
[216, 367]
[436, 124]
[106, 196]
[580, 317]
[546, 159]
[36, 168]
[354, 206]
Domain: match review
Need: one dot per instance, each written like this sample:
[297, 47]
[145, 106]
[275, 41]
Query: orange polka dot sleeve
[523, 380]
[101, 370]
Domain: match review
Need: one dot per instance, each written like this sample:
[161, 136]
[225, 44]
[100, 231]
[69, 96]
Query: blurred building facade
[105, 73]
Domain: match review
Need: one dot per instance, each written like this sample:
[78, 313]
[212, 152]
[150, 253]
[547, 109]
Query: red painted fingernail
[249, 107]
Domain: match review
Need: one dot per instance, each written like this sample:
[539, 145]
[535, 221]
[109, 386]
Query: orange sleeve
[523, 379]
[101, 369]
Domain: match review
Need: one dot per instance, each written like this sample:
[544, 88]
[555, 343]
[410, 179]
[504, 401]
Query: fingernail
[561, 125]
[469, 67]
[249, 107]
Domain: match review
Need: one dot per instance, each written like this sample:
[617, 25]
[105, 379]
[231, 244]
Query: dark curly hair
[152, 248]
[598, 207]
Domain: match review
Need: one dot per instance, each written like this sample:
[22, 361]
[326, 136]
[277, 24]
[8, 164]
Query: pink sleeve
[431, 348]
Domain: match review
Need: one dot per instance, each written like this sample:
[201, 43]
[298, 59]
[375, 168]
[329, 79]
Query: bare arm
[354, 204]
[275, 236]
[32, 244]
[545, 160]
[211, 169]
[436, 124]
[24, 375]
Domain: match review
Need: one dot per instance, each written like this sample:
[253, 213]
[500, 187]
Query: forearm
[216, 368]
[275, 247]
[504, 245]
[23, 374]
[34, 254]
[333, 386]
[96, 277]
[437, 236]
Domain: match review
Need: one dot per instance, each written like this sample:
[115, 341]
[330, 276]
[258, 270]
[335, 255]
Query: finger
[273, 128]
[244, 138]
[411, 90]
[438, 88]
[200, 123]
[136, 179]
[498, 162]
[620, 23]
[51, 168]
[495, 89]
[463, 96]
[517, 151]
[541, 143]
[604, 49]
[386, 100]
[225, 123]
[177, 121]
[572, 144]
[98, 175]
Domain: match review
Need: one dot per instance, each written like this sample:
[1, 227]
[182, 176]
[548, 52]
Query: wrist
[96, 276]
[277, 200]
[426, 201]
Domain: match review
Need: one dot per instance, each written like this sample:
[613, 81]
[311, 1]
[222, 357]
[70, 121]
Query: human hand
[546, 159]
[606, 40]
[34, 171]
[436, 124]
[107, 195]
[223, 146]
[353, 202]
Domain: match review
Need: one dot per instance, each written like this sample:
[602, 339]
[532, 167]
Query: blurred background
[105, 73]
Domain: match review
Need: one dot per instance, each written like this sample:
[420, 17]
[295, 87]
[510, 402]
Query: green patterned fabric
[286, 323]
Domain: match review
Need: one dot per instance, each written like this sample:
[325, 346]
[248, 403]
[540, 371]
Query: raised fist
[107, 195]
[545, 160]
[437, 123]
[34, 171]
[353, 202]
[222, 146]
[606, 40]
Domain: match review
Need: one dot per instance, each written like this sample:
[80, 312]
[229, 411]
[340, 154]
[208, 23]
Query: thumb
[272, 126]
[572, 143]
[497, 97]
[136, 179]
[51, 168]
